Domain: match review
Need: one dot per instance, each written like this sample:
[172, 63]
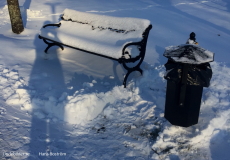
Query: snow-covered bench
[120, 39]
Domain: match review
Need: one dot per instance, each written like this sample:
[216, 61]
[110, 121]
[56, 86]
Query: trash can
[187, 72]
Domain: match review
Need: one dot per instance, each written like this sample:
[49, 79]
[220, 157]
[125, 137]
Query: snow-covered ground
[73, 107]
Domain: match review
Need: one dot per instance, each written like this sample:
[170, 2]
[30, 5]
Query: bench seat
[104, 42]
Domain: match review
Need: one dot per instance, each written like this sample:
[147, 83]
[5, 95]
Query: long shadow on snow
[47, 80]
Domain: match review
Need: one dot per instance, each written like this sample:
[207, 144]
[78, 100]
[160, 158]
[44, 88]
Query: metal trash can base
[188, 114]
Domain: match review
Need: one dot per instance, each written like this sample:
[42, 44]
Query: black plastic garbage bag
[199, 70]
[198, 75]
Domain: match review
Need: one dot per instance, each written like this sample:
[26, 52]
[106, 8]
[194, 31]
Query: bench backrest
[117, 24]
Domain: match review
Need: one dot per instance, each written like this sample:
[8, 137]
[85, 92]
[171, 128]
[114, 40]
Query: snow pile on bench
[127, 24]
[100, 34]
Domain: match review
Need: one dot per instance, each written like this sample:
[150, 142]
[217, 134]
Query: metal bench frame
[141, 46]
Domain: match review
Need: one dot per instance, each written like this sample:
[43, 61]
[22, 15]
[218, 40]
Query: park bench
[121, 39]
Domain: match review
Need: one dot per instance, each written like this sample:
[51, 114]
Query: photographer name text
[51, 154]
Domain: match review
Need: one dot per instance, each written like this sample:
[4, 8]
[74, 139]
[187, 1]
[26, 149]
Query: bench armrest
[142, 47]
[127, 45]
[124, 59]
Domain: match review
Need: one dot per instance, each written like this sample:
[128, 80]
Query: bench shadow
[100, 72]
[160, 51]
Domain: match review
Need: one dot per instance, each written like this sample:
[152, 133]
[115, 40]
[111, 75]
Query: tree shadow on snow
[24, 8]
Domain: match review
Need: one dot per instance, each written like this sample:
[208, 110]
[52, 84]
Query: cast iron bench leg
[130, 70]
